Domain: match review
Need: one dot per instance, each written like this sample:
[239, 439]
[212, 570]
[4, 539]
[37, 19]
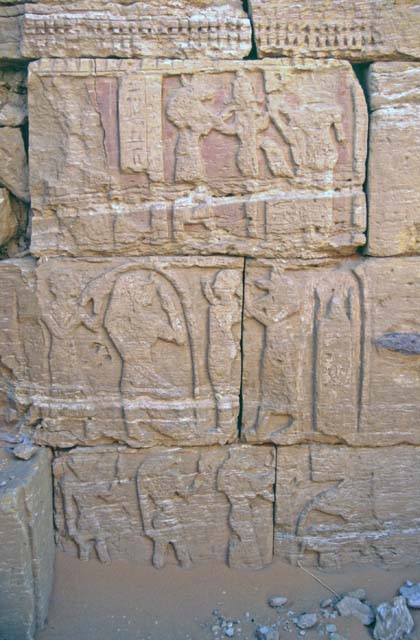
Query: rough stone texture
[26, 544]
[125, 29]
[142, 351]
[393, 621]
[13, 163]
[358, 30]
[394, 186]
[337, 504]
[13, 100]
[411, 593]
[188, 505]
[257, 158]
[331, 353]
[9, 222]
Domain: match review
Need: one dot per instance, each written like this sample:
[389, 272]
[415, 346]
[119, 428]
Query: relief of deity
[278, 311]
[224, 298]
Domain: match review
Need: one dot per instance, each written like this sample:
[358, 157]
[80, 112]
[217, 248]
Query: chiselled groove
[241, 350]
[315, 320]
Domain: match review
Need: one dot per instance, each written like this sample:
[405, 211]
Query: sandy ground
[120, 601]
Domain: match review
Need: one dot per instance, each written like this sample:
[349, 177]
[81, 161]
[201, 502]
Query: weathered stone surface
[13, 163]
[26, 544]
[411, 593]
[358, 30]
[351, 606]
[142, 351]
[125, 29]
[195, 504]
[394, 159]
[332, 353]
[13, 99]
[9, 223]
[393, 620]
[337, 504]
[258, 158]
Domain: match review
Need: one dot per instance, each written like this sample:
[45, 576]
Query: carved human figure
[62, 317]
[187, 110]
[142, 311]
[278, 311]
[162, 487]
[243, 481]
[313, 131]
[224, 295]
[82, 520]
[250, 119]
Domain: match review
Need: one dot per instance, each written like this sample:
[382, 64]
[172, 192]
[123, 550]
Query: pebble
[277, 601]
[307, 620]
[336, 636]
[411, 593]
[331, 628]
[360, 594]
[25, 450]
[349, 606]
[267, 633]
[393, 620]
[230, 632]
[327, 602]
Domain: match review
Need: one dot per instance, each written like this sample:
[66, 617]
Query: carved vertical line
[362, 349]
[317, 304]
[241, 351]
[275, 499]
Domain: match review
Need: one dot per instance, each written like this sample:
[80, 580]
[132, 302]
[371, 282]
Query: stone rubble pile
[388, 621]
[210, 277]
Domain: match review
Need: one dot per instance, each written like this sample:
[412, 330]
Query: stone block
[26, 544]
[337, 504]
[148, 158]
[331, 353]
[125, 29]
[142, 351]
[165, 505]
[394, 159]
[358, 30]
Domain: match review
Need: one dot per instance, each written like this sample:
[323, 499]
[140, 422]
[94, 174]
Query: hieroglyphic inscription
[141, 125]
[190, 504]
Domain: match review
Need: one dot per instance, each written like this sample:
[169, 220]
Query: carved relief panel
[121, 29]
[358, 30]
[155, 158]
[331, 353]
[167, 505]
[336, 505]
[139, 351]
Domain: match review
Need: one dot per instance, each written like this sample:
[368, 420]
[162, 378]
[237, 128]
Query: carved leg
[102, 551]
[182, 554]
[159, 554]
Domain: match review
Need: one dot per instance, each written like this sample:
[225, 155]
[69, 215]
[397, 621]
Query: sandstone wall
[211, 314]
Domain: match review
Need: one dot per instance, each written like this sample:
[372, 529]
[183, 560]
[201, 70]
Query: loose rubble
[389, 621]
